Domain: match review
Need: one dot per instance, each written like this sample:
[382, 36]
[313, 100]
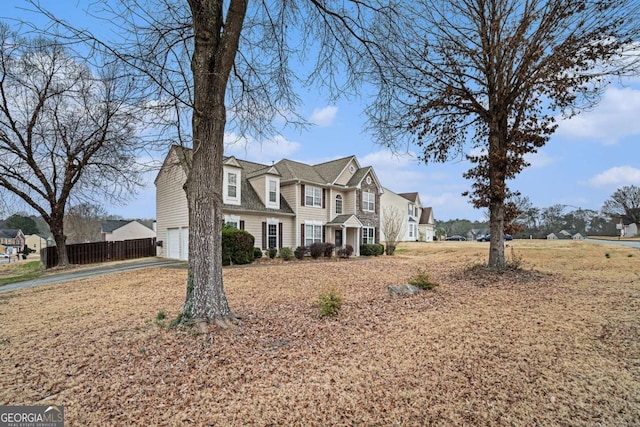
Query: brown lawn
[557, 344]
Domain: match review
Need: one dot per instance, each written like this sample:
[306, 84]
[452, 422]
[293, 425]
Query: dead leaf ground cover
[557, 344]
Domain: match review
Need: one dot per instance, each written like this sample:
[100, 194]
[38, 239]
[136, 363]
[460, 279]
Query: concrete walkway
[84, 273]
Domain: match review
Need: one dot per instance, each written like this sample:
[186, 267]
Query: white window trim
[312, 189]
[317, 225]
[269, 203]
[228, 199]
[366, 202]
[230, 219]
[365, 231]
[272, 221]
[341, 204]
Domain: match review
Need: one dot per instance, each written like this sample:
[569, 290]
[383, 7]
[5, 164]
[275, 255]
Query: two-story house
[417, 222]
[11, 241]
[286, 204]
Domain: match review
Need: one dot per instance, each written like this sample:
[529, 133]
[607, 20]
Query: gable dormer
[231, 180]
[348, 172]
[266, 184]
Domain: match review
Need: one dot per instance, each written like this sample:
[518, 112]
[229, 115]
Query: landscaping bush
[300, 252]
[272, 252]
[317, 250]
[328, 250]
[421, 280]
[371, 249]
[286, 254]
[237, 246]
[345, 251]
[329, 303]
[257, 253]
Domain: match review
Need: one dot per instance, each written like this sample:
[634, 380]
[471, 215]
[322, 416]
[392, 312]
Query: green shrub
[257, 253]
[317, 250]
[607, 255]
[286, 254]
[272, 252]
[421, 280]
[371, 249]
[300, 252]
[329, 303]
[237, 246]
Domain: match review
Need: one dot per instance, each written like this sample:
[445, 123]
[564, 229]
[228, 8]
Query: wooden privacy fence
[91, 253]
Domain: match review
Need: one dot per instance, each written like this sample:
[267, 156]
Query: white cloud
[616, 176]
[539, 159]
[324, 116]
[613, 119]
[266, 152]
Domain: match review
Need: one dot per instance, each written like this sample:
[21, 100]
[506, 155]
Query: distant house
[564, 234]
[11, 241]
[35, 242]
[476, 233]
[629, 230]
[577, 236]
[552, 236]
[426, 225]
[417, 222]
[118, 230]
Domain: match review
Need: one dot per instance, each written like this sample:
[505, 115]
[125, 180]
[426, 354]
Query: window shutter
[241, 225]
[324, 197]
[280, 235]
[302, 196]
[264, 235]
[301, 234]
[324, 235]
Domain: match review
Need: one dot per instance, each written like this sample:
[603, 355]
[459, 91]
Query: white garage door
[178, 243]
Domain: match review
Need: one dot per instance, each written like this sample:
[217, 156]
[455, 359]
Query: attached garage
[178, 243]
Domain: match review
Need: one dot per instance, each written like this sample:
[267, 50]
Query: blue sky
[587, 159]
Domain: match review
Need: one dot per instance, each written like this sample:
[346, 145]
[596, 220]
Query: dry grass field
[554, 344]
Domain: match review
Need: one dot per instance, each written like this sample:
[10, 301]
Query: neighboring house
[417, 222]
[427, 225]
[35, 242]
[629, 230]
[564, 234]
[287, 204]
[552, 236]
[577, 236]
[11, 241]
[118, 230]
[476, 233]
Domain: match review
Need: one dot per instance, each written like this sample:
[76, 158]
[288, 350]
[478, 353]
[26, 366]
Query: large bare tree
[66, 131]
[247, 58]
[487, 77]
[624, 204]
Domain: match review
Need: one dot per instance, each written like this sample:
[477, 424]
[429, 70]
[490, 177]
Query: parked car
[487, 237]
[456, 238]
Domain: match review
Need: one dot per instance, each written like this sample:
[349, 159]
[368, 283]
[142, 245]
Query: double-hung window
[313, 196]
[273, 191]
[368, 235]
[368, 201]
[338, 204]
[272, 235]
[232, 185]
[312, 233]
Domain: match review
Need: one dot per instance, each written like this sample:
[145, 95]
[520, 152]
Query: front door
[338, 238]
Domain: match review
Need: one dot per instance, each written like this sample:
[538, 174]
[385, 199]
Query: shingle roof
[331, 170]
[110, 225]
[426, 215]
[412, 197]
[292, 170]
[358, 176]
[9, 233]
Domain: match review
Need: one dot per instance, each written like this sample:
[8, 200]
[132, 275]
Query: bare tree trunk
[56, 226]
[497, 191]
[216, 44]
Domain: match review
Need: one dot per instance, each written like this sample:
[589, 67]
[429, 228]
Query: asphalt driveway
[84, 273]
